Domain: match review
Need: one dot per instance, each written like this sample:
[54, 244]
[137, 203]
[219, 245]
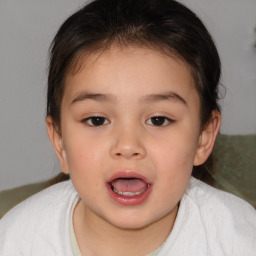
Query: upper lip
[128, 174]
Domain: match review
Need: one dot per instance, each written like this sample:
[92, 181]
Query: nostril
[127, 155]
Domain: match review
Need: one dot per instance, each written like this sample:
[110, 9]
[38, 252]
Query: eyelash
[163, 121]
[91, 119]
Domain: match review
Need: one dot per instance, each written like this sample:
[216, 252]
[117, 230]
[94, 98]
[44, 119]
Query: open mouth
[129, 187]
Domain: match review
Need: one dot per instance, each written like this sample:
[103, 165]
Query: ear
[57, 143]
[207, 138]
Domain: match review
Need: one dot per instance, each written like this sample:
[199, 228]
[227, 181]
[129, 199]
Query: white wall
[232, 24]
[26, 30]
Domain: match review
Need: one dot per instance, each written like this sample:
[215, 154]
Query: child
[132, 112]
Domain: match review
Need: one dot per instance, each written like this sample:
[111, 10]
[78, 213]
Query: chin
[130, 224]
[132, 221]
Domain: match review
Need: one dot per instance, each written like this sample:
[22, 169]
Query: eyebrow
[152, 98]
[94, 96]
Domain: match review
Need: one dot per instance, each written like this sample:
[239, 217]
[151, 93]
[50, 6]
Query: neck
[96, 236]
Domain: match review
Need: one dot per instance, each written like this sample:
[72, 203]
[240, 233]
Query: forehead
[130, 70]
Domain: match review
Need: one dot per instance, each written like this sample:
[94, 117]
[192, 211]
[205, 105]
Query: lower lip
[129, 200]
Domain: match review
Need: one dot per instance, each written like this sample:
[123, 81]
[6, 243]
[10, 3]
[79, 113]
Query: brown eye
[96, 121]
[159, 121]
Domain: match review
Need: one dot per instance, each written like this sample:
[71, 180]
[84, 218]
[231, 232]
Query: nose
[128, 144]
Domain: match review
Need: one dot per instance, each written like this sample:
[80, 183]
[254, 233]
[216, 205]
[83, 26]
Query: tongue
[129, 185]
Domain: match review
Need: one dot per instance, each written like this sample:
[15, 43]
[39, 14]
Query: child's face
[130, 113]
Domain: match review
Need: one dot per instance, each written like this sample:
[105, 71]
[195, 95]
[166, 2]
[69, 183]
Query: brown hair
[164, 25]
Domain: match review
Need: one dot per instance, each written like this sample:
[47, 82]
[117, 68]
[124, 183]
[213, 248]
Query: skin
[129, 79]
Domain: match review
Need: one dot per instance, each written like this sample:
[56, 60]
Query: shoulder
[51, 198]
[227, 219]
[40, 216]
[205, 196]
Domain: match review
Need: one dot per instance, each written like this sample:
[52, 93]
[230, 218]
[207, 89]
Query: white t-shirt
[209, 222]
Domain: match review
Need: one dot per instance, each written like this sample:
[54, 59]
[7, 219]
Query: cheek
[174, 163]
[175, 156]
[84, 160]
[82, 154]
